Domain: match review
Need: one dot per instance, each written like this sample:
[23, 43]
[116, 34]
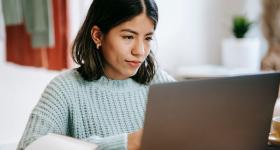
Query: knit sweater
[103, 112]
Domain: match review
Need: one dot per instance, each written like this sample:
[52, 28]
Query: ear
[96, 35]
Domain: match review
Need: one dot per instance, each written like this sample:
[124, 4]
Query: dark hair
[107, 14]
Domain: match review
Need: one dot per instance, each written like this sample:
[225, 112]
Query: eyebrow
[134, 32]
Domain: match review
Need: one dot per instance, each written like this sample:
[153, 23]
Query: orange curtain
[20, 51]
[19, 48]
[57, 56]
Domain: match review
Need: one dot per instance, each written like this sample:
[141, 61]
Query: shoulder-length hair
[107, 14]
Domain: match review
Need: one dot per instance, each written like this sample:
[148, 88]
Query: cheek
[148, 49]
[124, 49]
[117, 52]
[111, 48]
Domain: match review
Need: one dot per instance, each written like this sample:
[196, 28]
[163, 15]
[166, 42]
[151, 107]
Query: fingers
[277, 67]
[134, 140]
[267, 66]
[267, 63]
[271, 62]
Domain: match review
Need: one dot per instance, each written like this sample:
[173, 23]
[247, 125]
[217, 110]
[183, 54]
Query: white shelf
[211, 71]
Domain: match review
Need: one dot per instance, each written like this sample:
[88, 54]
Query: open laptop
[231, 113]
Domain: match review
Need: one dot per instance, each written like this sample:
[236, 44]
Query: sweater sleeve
[116, 142]
[48, 116]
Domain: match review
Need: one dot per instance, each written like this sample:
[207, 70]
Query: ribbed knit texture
[102, 112]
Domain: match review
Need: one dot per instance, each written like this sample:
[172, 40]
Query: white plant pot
[241, 53]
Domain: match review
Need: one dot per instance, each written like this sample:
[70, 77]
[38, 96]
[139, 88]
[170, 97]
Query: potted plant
[240, 51]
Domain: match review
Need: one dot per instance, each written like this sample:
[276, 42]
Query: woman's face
[126, 47]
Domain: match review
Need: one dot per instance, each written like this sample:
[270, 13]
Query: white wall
[190, 31]
[78, 10]
[20, 89]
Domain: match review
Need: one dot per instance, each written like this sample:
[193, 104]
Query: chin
[132, 73]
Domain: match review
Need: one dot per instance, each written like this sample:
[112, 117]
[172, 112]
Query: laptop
[230, 113]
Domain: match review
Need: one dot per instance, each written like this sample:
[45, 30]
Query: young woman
[104, 100]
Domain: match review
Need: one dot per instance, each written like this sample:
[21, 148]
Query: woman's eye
[149, 38]
[128, 37]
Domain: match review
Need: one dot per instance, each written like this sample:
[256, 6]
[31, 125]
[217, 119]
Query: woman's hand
[271, 61]
[134, 140]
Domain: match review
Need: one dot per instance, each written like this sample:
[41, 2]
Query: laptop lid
[232, 113]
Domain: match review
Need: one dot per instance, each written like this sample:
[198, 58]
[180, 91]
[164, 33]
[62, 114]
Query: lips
[134, 63]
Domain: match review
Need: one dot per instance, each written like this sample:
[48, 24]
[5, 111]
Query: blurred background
[194, 38]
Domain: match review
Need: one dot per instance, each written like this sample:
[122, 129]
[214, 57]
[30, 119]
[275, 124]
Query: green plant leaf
[241, 26]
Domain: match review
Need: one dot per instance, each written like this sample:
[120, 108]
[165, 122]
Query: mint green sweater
[102, 112]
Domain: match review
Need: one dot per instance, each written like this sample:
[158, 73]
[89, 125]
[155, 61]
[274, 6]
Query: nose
[139, 48]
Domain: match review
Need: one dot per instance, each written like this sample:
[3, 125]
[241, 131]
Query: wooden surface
[277, 108]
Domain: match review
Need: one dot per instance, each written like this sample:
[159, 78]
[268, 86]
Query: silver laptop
[231, 113]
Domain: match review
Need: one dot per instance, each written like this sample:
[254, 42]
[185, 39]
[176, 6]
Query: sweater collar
[117, 84]
[104, 82]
